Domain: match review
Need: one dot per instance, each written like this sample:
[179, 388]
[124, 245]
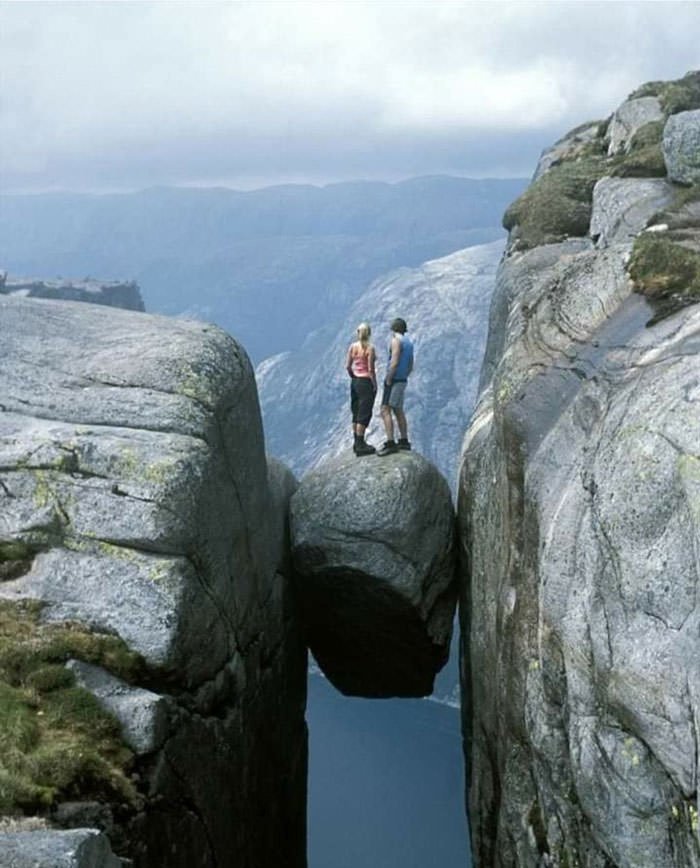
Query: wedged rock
[681, 147]
[135, 500]
[372, 542]
[622, 207]
[78, 848]
[630, 117]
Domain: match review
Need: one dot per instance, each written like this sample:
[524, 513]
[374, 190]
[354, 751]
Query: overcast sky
[123, 95]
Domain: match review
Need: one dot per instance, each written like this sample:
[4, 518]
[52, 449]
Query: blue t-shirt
[405, 358]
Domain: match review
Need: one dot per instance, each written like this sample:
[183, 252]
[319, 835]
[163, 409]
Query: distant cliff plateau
[270, 266]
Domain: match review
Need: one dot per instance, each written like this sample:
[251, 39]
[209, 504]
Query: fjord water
[386, 782]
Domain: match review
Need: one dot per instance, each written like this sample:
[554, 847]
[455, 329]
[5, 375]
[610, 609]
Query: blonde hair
[363, 333]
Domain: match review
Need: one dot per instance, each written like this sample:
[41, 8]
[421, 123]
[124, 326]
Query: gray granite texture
[631, 116]
[681, 147]
[132, 467]
[372, 542]
[579, 538]
[78, 848]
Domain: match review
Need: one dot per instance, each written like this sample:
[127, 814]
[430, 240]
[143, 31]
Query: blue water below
[386, 783]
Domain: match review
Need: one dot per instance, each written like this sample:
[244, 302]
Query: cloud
[117, 94]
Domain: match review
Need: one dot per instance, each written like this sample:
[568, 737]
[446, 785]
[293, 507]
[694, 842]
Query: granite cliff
[152, 674]
[579, 518]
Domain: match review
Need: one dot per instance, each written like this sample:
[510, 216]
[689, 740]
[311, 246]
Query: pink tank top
[360, 362]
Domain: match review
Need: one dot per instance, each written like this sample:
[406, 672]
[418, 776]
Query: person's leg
[388, 421]
[401, 420]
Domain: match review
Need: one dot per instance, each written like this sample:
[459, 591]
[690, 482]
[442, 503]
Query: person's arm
[348, 361]
[394, 361]
[370, 361]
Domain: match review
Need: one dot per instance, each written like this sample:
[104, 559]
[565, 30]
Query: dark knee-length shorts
[362, 394]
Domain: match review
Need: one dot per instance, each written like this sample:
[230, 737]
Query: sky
[109, 96]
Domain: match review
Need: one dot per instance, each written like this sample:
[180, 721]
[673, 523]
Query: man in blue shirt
[400, 366]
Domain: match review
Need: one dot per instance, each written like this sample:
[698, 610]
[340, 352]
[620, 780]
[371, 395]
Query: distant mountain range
[271, 266]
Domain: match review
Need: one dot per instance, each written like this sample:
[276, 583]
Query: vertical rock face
[579, 525]
[135, 501]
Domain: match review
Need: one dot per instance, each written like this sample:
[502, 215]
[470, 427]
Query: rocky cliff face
[113, 293]
[144, 543]
[305, 394]
[579, 507]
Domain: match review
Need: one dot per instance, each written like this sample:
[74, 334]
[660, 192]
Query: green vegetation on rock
[56, 742]
[557, 204]
[665, 271]
[643, 158]
[675, 96]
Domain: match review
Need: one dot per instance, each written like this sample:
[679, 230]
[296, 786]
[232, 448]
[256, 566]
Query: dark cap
[399, 325]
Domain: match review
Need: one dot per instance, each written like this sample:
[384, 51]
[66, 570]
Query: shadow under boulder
[373, 549]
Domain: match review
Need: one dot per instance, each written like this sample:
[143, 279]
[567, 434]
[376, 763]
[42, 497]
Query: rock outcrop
[305, 394]
[79, 848]
[139, 535]
[372, 542]
[681, 147]
[113, 293]
[580, 526]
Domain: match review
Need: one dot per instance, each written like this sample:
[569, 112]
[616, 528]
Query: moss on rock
[56, 741]
[666, 272]
[675, 96]
[644, 157]
[557, 204]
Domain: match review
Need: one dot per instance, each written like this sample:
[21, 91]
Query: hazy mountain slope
[268, 265]
[305, 394]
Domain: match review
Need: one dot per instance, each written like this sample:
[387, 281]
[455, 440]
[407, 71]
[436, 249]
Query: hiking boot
[388, 448]
[404, 444]
[363, 448]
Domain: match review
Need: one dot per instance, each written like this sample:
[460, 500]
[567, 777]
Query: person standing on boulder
[359, 364]
[400, 367]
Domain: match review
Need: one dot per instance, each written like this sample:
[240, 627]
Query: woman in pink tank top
[359, 364]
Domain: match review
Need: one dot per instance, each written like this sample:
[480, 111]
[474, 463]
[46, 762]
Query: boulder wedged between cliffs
[373, 551]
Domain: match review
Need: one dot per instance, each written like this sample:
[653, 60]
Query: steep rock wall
[137, 511]
[579, 519]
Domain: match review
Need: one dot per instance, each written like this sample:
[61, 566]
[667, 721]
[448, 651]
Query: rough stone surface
[114, 293]
[579, 527]
[305, 394]
[622, 207]
[143, 715]
[568, 147]
[79, 848]
[132, 463]
[372, 541]
[681, 147]
[631, 116]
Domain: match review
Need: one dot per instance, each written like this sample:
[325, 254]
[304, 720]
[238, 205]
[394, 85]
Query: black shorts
[362, 394]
